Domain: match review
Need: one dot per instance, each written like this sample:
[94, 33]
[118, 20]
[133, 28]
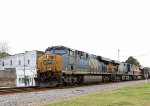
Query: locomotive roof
[55, 47]
[100, 58]
[116, 62]
[61, 47]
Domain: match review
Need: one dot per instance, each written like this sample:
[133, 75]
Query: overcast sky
[99, 27]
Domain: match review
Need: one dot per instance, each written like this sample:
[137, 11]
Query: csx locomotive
[61, 65]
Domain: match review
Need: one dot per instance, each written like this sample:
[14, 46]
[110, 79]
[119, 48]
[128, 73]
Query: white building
[25, 65]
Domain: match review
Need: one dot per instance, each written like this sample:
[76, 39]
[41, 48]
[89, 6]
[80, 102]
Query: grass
[138, 95]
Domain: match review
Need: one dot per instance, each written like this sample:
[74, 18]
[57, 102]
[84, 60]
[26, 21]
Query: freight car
[65, 66]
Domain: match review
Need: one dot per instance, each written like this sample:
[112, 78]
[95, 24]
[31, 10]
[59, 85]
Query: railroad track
[13, 90]
[4, 91]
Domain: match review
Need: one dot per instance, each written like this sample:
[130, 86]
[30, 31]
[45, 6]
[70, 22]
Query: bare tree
[4, 49]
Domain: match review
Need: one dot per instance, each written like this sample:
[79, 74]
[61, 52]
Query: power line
[136, 55]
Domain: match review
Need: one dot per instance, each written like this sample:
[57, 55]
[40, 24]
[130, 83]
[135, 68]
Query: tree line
[4, 49]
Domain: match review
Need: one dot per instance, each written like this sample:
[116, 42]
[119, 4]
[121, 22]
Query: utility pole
[118, 55]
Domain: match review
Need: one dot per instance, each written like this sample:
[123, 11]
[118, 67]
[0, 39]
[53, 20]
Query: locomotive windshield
[56, 50]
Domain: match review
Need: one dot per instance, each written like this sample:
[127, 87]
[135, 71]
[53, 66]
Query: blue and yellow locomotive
[64, 66]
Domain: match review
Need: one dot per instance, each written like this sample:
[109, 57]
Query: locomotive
[61, 65]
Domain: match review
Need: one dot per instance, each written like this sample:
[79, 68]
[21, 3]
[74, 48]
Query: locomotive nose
[50, 62]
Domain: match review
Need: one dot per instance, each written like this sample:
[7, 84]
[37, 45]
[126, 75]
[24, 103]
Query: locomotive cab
[52, 60]
[50, 66]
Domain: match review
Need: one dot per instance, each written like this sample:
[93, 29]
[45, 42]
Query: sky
[100, 27]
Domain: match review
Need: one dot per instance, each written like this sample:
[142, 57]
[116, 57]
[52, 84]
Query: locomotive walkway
[42, 97]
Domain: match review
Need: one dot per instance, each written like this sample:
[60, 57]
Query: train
[64, 66]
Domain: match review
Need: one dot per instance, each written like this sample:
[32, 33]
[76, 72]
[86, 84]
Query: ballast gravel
[41, 97]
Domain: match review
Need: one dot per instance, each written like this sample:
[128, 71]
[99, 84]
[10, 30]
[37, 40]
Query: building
[19, 69]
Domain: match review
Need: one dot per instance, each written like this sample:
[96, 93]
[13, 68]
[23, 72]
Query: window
[3, 64]
[30, 79]
[21, 80]
[11, 62]
[60, 52]
[71, 53]
[28, 62]
[87, 56]
[76, 52]
[57, 50]
[19, 62]
[81, 53]
[71, 67]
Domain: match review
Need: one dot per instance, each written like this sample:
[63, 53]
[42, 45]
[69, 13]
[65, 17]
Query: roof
[100, 58]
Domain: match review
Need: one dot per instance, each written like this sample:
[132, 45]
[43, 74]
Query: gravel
[41, 97]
